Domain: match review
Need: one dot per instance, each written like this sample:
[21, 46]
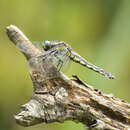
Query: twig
[59, 98]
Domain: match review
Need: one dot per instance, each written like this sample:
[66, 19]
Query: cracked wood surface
[60, 98]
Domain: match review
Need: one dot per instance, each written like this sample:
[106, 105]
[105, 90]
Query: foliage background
[98, 30]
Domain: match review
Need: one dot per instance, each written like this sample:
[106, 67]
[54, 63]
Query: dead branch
[60, 98]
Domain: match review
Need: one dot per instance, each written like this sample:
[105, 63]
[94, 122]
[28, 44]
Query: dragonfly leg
[60, 64]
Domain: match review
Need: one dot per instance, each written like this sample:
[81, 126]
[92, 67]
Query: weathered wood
[60, 98]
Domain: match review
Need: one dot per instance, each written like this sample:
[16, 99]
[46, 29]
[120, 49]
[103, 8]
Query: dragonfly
[61, 54]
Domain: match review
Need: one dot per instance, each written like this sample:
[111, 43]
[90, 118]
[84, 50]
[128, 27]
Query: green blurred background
[98, 30]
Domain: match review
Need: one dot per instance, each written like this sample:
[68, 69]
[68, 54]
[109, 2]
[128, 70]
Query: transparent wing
[66, 65]
[37, 62]
[22, 47]
[57, 56]
[53, 57]
[61, 60]
[37, 44]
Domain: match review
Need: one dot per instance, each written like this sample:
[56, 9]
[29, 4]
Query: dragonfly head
[47, 45]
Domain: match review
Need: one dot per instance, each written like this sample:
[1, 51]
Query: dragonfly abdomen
[99, 70]
[78, 59]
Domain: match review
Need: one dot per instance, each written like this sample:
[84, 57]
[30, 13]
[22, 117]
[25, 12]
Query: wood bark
[58, 98]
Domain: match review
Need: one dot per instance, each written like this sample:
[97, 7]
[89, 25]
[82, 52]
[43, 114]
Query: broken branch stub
[57, 98]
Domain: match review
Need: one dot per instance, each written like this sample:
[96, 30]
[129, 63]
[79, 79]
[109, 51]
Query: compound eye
[46, 45]
[47, 42]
